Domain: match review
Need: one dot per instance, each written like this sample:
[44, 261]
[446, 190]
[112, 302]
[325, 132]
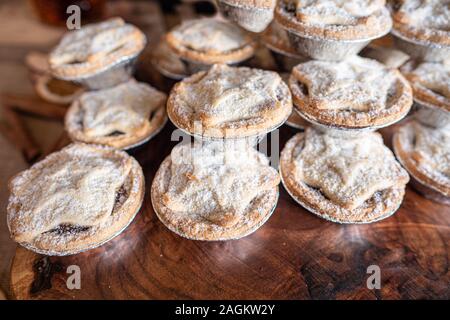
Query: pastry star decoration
[348, 172]
[357, 85]
[79, 192]
[218, 191]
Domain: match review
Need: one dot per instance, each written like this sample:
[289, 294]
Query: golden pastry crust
[243, 46]
[74, 123]
[71, 239]
[404, 144]
[95, 48]
[374, 25]
[196, 104]
[427, 21]
[430, 82]
[211, 226]
[380, 206]
[322, 93]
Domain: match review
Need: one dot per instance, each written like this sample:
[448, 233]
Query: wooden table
[295, 255]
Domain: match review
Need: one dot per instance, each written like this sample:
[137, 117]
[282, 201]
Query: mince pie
[422, 28]
[96, 48]
[252, 15]
[425, 152]
[332, 29]
[230, 102]
[431, 86]
[75, 199]
[423, 20]
[123, 116]
[214, 190]
[335, 19]
[203, 42]
[354, 93]
[430, 82]
[345, 180]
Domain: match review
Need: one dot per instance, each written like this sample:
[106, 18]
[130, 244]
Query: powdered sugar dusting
[433, 76]
[226, 94]
[355, 84]
[210, 35]
[124, 108]
[431, 151]
[433, 14]
[215, 182]
[75, 186]
[348, 171]
[336, 12]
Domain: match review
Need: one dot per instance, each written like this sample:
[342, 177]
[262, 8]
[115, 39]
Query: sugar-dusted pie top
[75, 186]
[336, 12]
[210, 35]
[434, 14]
[347, 171]
[426, 20]
[241, 100]
[211, 40]
[431, 151]
[434, 76]
[216, 182]
[95, 47]
[125, 108]
[252, 3]
[356, 84]
[335, 19]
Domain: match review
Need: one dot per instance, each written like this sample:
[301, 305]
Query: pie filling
[71, 229]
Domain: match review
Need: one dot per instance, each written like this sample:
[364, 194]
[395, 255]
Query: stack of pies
[339, 168]
[86, 194]
[220, 187]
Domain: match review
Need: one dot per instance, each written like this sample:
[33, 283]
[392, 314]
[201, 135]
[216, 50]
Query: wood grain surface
[295, 255]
